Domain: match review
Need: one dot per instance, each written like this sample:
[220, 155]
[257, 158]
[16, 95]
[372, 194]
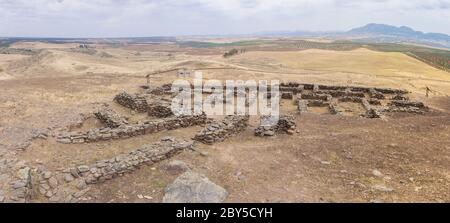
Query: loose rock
[176, 167]
[194, 188]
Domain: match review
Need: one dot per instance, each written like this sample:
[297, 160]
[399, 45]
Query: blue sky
[120, 18]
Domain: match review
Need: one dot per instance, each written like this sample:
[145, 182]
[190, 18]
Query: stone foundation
[134, 102]
[285, 124]
[302, 106]
[165, 89]
[315, 96]
[374, 100]
[146, 155]
[110, 118]
[400, 97]
[351, 99]
[127, 131]
[375, 94]
[406, 106]
[160, 109]
[219, 131]
[287, 95]
[318, 103]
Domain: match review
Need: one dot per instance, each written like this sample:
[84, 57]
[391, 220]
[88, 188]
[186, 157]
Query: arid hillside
[52, 92]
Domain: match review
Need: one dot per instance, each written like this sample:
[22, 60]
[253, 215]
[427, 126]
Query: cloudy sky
[119, 18]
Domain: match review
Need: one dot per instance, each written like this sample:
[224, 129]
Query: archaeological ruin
[155, 103]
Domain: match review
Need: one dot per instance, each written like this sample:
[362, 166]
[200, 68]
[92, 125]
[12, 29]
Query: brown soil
[330, 159]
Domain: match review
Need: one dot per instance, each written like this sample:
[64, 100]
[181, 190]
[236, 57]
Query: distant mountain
[402, 33]
[382, 29]
[373, 32]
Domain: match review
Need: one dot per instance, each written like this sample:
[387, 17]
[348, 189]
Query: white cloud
[173, 17]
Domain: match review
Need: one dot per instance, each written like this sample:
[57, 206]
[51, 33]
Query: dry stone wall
[285, 124]
[287, 95]
[406, 106]
[314, 87]
[110, 118]
[220, 130]
[165, 89]
[127, 131]
[160, 109]
[22, 187]
[135, 102]
[374, 100]
[125, 163]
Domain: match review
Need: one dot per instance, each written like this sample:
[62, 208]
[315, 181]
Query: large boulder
[194, 188]
[175, 167]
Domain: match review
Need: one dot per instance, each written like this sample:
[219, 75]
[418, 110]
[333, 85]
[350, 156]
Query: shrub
[231, 53]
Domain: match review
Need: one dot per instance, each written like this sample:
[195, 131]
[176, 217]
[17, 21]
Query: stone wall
[135, 102]
[127, 131]
[146, 155]
[287, 95]
[391, 91]
[314, 87]
[372, 99]
[333, 107]
[318, 103]
[110, 118]
[22, 188]
[160, 109]
[406, 106]
[315, 96]
[302, 106]
[371, 112]
[375, 94]
[285, 124]
[165, 89]
[70, 184]
[400, 97]
[344, 93]
[351, 99]
[220, 130]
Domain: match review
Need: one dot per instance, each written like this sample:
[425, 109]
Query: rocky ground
[328, 158]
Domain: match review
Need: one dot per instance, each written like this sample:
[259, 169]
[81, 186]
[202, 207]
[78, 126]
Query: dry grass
[361, 67]
[51, 90]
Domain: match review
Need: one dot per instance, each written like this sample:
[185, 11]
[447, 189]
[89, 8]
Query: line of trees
[233, 52]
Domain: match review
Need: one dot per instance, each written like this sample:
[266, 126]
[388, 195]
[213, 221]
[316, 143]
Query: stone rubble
[111, 118]
[310, 95]
[400, 97]
[375, 94]
[160, 109]
[218, 131]
[371, 112]
[40, 183]
[192, 187]
[285, 124]
[22, 188]
[287, 95]
[108, 169]
[165, 89]
[406, 106]
[134, 102]
[131, 130]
